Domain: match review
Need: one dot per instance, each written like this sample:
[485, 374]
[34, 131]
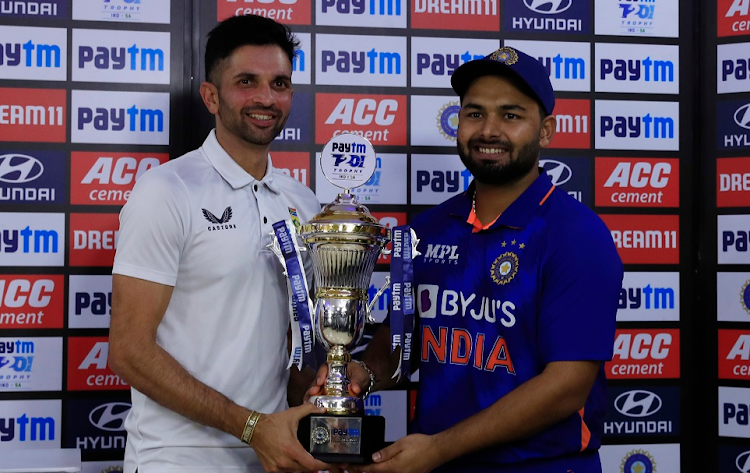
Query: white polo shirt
[201, 223]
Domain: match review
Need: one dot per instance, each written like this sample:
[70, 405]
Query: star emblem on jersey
[504, 268]
[506, 55]
[225, 217]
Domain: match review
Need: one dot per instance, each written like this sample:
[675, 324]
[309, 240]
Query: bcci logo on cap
[506, 55]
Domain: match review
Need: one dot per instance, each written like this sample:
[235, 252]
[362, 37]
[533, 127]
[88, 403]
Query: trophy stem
[336, 398]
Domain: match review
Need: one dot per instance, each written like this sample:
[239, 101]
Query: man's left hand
[414, 453]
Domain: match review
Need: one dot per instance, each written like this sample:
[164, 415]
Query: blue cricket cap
[501, 62]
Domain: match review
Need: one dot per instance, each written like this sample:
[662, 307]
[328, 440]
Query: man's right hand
[275, 441]
[359, 378]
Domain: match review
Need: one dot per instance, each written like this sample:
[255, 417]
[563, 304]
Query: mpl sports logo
[30, 424]
[437, 177]
[97, 424]
[653, 18]
[32, 239]
[649, 297]
[30, 364]
[292, 12]
[299, 124]
[645, 239]
[386, 186]
[564, 16]
[463, 15]
[441, 131]
[31, 301]
[732, 182]
[571, 174]
[87, 366]
[637, 125]
[32, 177]
[568, 64]
[630, 68]
[732, 68]
[359, 13]
[99, 178]
[35, 115]
[734, 354]
[362, 60]
[120, 117]
[573, 124]
[734, 412]
[637, 182]
[645, 354]
[133, 57]
[32, 53]
[93, 239]
[434, 60]
[381, 119]
[733, 297]
[646, 411]
[128, 11]
[733, 239]
[390, 220]
[89, 301]
[294, 164]
[733, 17]
[733, 124]
[34, 9]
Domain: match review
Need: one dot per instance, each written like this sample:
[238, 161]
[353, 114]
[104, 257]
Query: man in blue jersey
[517, 290]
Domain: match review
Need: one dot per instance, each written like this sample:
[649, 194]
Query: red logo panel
[379, 118]
[101, 178]
[645, 354]
[573, 124]
[31, 301]
[733, 17]
[466, 16]
[290, 12]
[36, 115]
[637, 182]
[733, 182]
[734, 354]
[293, 164]
[93, 239]
[88, 369]
[646, 239]
[390, 220]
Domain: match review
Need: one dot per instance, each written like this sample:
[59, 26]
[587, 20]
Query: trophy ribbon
[300, 307]
[402, 296]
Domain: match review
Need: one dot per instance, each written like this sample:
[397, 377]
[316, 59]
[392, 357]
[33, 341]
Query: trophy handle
[370, 319]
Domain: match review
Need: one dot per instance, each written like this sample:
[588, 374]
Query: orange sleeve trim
[585, 432]
[548, 194]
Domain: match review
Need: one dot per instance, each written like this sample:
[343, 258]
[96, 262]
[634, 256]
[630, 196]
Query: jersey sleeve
[153, 228]
[581, 282]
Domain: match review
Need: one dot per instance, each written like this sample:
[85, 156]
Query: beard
[521, 161]
[234, 122]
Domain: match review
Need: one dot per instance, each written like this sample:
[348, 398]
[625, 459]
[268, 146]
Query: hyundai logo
[110, 417]
[743, 462]
[548, 7]
[637, 403]
[19, 168]
[559, 173]
[742, 116]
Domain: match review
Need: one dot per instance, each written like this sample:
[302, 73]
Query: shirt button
[265, 220]
[255, 187]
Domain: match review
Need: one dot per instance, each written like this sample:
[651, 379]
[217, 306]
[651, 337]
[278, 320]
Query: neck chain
[474, 202]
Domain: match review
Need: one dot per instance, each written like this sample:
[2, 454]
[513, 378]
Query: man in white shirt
[200, 308]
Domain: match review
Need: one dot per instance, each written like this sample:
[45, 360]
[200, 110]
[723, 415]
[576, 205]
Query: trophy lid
[345, 215]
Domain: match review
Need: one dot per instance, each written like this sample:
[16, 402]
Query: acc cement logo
[638, 403]
[19, 168]
[559, 173]
[548, 7]
[110, 417]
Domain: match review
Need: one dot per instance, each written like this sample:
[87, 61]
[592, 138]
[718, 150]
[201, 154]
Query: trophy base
[342, 438]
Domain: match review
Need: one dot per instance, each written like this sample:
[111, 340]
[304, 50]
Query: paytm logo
[32, 53]
[89, 301]
[637, 125]
[362, 13]
[734, 412]
[732, 68]
[625, 68]
[386, 186]
[27, 428]
[364, 60]
[434, 59]
[733, 239]
[120, 117]
[435, 177]
[30, 364]
[302, 61]
[567, 63]
[30, 424]
[32, 239]
[135, 57]
[649, 297]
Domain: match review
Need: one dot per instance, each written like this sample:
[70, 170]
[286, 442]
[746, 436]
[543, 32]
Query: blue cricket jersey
[541, 284]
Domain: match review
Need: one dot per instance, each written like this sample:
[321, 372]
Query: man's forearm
[380, 360]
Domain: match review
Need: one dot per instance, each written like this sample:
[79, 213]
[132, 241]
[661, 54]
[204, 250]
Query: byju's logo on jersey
[637, 182]
[35, 115]
[30, 424]
[89, 301]
[732, 182]
[733, 124]
[463, 15]
[34, 9]
[733, 239]
[372, 14]
[31, 301]
[381, 119]
[33, 53]
[128, 11]
[291, 12]
[433, 60]
[32, 177]
[93, 239]
[568, 64]
[436, 177]
[645, 239]
[733, 18]
[568, 16]
[141, 57]
[649, 297]
[652, 411]
[120, 117]
[645, 354]
[732, 68]
[32, 239]
[636, 125]
[30, 364]
[343, 60]
[638, 18]
[734, 412]
[571, 175]
[625, 68]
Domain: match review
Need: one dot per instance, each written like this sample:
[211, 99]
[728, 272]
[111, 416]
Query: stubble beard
[521, 162]
[234, 122]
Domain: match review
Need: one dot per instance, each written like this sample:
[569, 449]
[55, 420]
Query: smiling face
[253, 91]
[500, 131]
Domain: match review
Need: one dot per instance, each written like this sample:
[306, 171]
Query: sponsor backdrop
[93, 93]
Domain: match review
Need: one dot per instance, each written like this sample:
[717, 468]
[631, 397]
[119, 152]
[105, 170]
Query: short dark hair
[519, 84]
[239, 31]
